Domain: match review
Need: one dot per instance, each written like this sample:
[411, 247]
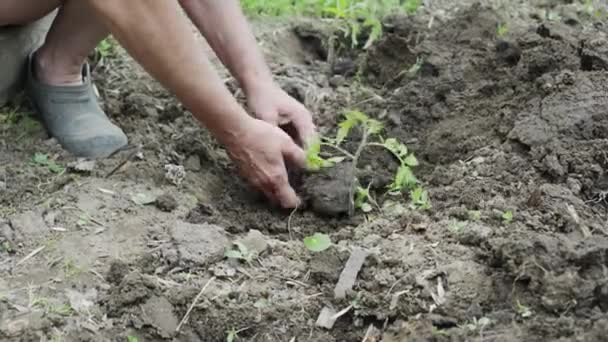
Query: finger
[287, 196]
[280, 188]
[294, 154]
[301, 119]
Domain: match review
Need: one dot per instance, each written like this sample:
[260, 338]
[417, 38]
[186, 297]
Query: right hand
[261, 153]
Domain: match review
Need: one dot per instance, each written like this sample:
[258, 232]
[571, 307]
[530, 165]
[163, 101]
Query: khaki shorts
[16, 43]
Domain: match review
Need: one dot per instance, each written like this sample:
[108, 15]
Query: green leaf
[412, 6]
[420, 198]
[132, 339]
[314, 162]
[55, 168]
[41, 159]
[374, 126]
[317, 242]
[403, 179]
[361, 197]
[143, 199]
[396, 148]
[351, 120]
[507, 217]
[411, 161]
[243, 249]
[233, 254]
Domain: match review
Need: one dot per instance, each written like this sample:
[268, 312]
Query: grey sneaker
[73, 116]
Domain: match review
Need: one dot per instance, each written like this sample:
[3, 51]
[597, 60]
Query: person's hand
[260, 153]
[268, 102]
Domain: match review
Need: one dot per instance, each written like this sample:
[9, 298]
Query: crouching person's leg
[59, 86]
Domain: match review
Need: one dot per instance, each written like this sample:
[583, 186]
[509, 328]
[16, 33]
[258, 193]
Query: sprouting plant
[70, 269]
[420, 199]
[231, 335]
[502, 29]
[478, 324]
[364, 200]
[507, 217]
[457, 227]
[412, 6]
[317, 242]
[474, 215]
[107, 47]
[415, 68]
[523, 310]
[371, 137]
[42, 159]
[240, 253]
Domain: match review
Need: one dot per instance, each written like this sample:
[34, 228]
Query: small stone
[199, 244]
[337, 81]
[474, 234]
[29, 224]
[255, 242]
[193, 163]
[158, 313]
[166, 203]
[82, 165]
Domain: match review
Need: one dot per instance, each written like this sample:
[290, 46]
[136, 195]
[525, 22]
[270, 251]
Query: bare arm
[159, 37]
[227, 31]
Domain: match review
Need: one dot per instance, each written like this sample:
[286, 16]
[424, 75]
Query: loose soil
[514, 123]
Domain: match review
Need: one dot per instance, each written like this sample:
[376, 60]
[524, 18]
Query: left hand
[270, 103]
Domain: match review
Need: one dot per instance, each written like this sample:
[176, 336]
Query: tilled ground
[516, 123]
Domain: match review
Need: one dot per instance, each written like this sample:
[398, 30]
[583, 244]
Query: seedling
[457, 227]
[412, 6]
[107, 48]
[474, 215]
[420, 199]
[364, 200]
[478, 324]
[523, 310]
[501, 30]
[42, 159]
[317, 242]
[132, 339]
[240, 253]
[507, 217]
[371, 137]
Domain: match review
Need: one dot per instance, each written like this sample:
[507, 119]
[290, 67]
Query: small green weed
[240, 253]
[523, 310]
[474, 215]
[107, 47]
[507, 217]
[457, 227]
[502, 29]
[317, 242]
[41, 159]
[70, 269]
[132, 339]
[420, 199]
[478, 324]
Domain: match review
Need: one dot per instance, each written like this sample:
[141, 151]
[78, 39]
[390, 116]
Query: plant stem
[384, 147]
[353, 176]
[339, 149]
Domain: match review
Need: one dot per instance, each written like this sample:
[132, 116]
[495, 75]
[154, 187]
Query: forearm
[159, 37]
[227, 31]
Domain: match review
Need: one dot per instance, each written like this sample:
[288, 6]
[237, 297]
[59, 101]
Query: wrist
[253, 81]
